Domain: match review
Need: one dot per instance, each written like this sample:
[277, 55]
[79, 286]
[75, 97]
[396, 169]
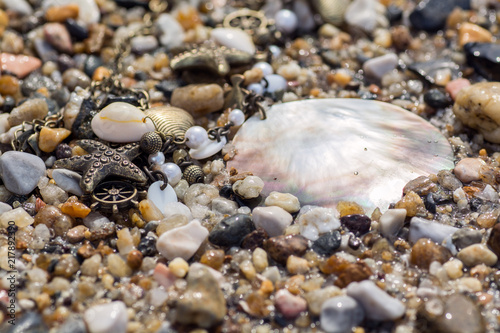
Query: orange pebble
[62, 13]
[75, 209]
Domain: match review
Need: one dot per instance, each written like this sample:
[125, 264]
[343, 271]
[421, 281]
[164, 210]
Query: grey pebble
[422, 228]
[340, 314]
[20, 171]
[68, 180]
[465, 237]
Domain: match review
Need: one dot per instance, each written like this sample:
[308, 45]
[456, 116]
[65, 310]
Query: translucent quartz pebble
[211, 147]
[161, 198]
[121, 122]
[330, 150]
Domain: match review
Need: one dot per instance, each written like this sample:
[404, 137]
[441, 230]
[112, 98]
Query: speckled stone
[327, 243]
[281, 247]
[231, 230]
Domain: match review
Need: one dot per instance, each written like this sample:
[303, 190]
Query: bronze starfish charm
[217, 59]
[103, 161]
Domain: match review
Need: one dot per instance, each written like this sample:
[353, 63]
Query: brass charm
[114, 196]
[235, 97]
[171, 121]
[246, 19]
[194, 174]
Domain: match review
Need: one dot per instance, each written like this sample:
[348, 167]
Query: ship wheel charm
[246, 19]
[113, 196]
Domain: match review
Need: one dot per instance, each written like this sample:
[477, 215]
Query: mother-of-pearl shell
[330, 150]
[121, 122]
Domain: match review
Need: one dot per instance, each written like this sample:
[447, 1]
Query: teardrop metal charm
[170, 120]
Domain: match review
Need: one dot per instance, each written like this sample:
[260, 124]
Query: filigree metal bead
[194, 174]
[151, 142]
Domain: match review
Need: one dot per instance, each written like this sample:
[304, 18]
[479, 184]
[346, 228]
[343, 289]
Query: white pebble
[467, 169]
[237, 117]
[379, 66]
[274, 220]
[275, 83]
[105, 318]
[314, 221]
[422, 228]
[172, 33]
[249, 188]
[182, 241]
[290, 71]
[177, 208]
[286, 21]
[172, 171]
[234, 38]
[68, 180]
[378, 305]
[477, 254]
[287, 201]
[392, 221]
[266, 68]
[18, 6]
[341, 314]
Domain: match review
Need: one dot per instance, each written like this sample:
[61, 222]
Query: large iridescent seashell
[171, 120]
[330, 150]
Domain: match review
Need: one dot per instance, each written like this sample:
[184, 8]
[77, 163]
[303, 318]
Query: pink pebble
[453, 87]
[164, 276]
[58, 36]
[19, 65]
[289, 305]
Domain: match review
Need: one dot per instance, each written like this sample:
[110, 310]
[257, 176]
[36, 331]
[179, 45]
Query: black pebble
[231, 230]
[327, 243]
[8, 104]
[437, 99]
[63, 150]
[394, 13]
[485, 58]
[431, 15]
[65, 62]
[91, 64]
[147, 246]
[167, 87]
[430, 204]
[226, 191]
[356, 223]
[475, 204]
[78, 31]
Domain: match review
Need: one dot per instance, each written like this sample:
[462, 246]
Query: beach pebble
[317, 297]
[21, 171]
[422, 228]
[425, 251]
[58, 36]
[314, 221]
[233, 38]
[19, 6]
[121, 122]
[454, 86]
[431, 15]
[182, 241]
[34, 108]
[265, 67]
[274, 220]
[231, 230]
[467, 169]
[4, 207]
[469, 32]
[392, 221]
[88, 10]
[379, 66]
[365, 14]
[74, 77]
[164, 276]
[281, 247]
[378, 305]
[477, 254]
[485, 58]
[200, 194]
[341, 314]
[289, 305]
[198, 99]
[49, 138]
[68, 180]
[20, 217]
[143, 44]
[62, 13]
[296, 265]
[358, 224]
[224, 206]
[494, 239]
[11, 42]
[290, 71]
[460, 315]
[327, 243]
[19, 65]
[117, 266]
[248, 188]
[287, 201]
[203, 303]
[465, 237]
[454, 268]
[477, 107]
[109, 317]
[172, 33]
[160, 197]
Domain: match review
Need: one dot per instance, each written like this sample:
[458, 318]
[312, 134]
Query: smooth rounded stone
[435, 98]
[477, 254]
[431, 15]
[379, 66]
[392, 221]
[422, 228]
[18, 6]
[274, 220]
[49, 138]
[58, 36]
[147, 246]
[425, 251]
[172, 33]
[485, 58]
[469, 32]
[327, 243]
[275, 83]
[121, 122]
[200, 194]
[465, 237]
[378, 305]
[73, 325]
[233, 38]
[265, 67]
[198, 99]
[224, 206]
[109, 317]
[477, 107]
[21, 171]
[90, 266]
[117, 266]
[281, 247]
[287, 201]
[95, 221]
[91, 63]
[210, 148]
[4, 207]
[459, 315]
[289, 305]
[74, 77]
[161, 198]
[448, 180]
[143, 44]
[88, 10]
[286, 21]
[341, 314]
[248, 188]
[28, 322]
[203, 303]
[316, 298]
[20, 217]
[20, 65]
[356, 223]
[305, 15]
[76, 29]
[34, 108]
[467, 169]
[365, 14]
[346, 133]
[231, 230]
[182, 241]
[314, 221]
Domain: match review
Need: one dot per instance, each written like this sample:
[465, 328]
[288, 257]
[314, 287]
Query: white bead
[237, 117]
[172, 171]
[156, 158]
[286, 21]
[265, 67]
[212, 147]
[196, 137]
[256, 88]
[275, 83]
